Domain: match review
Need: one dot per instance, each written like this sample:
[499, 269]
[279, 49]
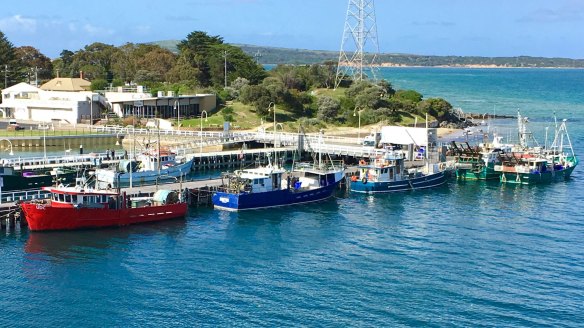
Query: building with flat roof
[135, 101]
[67, 100]
[28, 103]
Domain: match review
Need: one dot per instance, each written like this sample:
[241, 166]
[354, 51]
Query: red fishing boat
[70, 208]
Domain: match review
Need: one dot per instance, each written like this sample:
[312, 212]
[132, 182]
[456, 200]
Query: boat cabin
[149, 160]
[533, 165]
[75, 197]
[390, 167]
[256, 180]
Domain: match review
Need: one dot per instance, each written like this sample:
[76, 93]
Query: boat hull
[276, 198]
[41, 217]
[19, 182]
[424, 182]
[484, 173]
[536, 178]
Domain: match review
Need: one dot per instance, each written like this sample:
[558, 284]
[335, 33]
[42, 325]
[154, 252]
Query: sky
[492, 28]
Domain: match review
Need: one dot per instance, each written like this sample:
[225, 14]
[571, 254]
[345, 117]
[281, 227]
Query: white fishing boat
[149, 168]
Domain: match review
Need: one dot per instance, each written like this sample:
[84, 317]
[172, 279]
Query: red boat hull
[42, 217]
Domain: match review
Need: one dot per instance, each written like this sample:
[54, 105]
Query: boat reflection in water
[87, 244]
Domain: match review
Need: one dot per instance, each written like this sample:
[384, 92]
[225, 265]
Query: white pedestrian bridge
[190, 142]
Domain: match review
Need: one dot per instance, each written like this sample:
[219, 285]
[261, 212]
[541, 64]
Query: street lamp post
[10, 143]
[45, 127]
[270, 106]
[201, 133]
[91, 110]
[281, 131]
[355, 113]
[177, 107]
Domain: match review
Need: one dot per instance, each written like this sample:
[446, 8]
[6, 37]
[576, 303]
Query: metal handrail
[12, 196]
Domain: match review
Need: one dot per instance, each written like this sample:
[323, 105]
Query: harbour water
[467, 254]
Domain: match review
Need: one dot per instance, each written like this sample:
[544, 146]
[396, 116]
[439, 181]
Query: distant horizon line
[380, 53]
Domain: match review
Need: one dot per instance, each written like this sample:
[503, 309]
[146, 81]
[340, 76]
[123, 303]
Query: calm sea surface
[468, 254]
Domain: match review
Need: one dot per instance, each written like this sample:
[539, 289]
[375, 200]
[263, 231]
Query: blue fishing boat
[388, 173]
[274, 186]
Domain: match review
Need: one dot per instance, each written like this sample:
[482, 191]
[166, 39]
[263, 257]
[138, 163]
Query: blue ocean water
[467, 254]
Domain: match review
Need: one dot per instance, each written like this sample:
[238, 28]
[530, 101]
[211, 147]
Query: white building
[67, 100]
[28, 103]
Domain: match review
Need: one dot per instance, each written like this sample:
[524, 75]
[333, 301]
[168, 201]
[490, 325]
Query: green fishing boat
[477, 163]
[540, 165]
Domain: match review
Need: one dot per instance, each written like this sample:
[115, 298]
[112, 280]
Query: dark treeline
[199, 64]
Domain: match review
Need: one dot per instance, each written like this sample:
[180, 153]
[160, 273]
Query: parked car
[13, 126]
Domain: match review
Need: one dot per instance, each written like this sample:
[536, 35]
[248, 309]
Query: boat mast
[133, 155]
[272, 107]
[320, 148]
[275, 159]
[427, 141]
[522, 130]
[158, 159]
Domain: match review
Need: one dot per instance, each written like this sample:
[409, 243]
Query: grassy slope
[245, 117]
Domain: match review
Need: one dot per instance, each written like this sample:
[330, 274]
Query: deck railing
[13, 196]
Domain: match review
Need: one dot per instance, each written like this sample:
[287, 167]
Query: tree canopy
[210, 58]
[204, 63]
[10, 66]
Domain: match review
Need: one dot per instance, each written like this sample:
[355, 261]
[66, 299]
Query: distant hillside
[271, 55]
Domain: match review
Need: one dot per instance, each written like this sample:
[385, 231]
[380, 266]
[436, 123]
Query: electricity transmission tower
[359, 57]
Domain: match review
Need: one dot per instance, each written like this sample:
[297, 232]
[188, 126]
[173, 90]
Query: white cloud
[96, 30]
[142, 29]
[18, 23]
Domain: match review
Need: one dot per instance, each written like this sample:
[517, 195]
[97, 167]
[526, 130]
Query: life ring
[354, 178]
[362, 162]
[364, 180]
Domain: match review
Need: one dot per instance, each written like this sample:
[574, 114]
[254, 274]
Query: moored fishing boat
[13, 179]
[539, 165]
[149, 168]
[388, 173]
[77, 207]
[478, 163]
[273, 186]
